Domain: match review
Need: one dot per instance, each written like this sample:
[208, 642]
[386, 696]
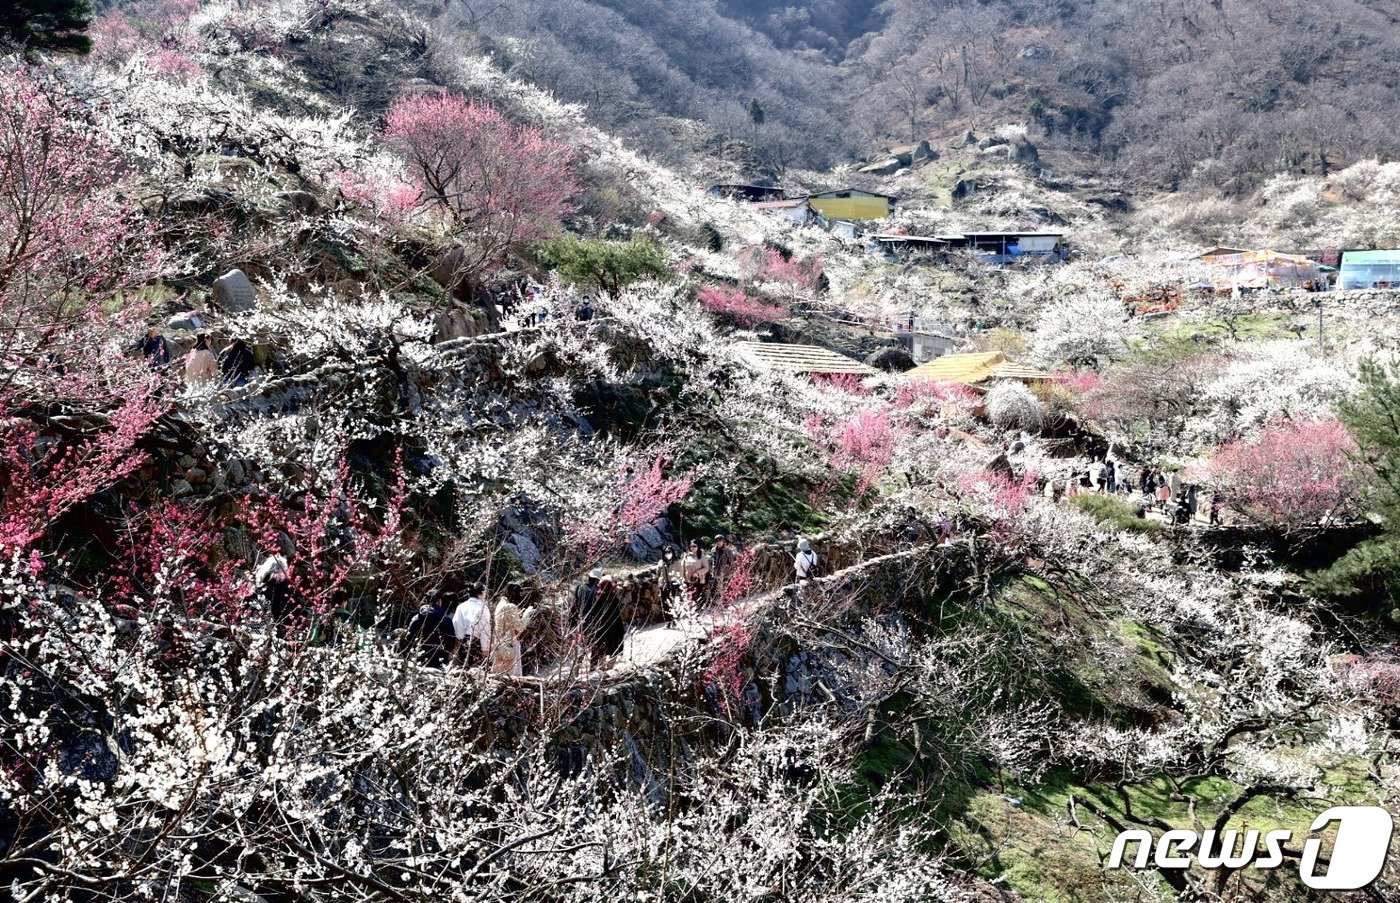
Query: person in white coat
[806, 561]
[472, 622]
[511, 622]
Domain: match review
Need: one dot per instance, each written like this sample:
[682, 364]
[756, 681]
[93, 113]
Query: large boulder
[233, 291]
[1025, 153]
[891, 359]
[883, 168]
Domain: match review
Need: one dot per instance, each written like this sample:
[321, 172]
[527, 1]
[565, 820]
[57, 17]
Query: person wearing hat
[721, 563]
[806, 561]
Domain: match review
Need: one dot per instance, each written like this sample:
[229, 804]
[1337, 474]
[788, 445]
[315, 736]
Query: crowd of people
[232, 366]
[599, 610]
[1156, 489]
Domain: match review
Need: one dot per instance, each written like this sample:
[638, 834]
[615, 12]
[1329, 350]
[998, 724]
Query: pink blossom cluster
[805, 274]
[499, 184]
[736, 305]
[1077, 382]
[863, 443]
[1377, 674]
[1004, 495]
[849, 383]
[954, 398]
[1294, 474]
[648, 493]
[390, 198]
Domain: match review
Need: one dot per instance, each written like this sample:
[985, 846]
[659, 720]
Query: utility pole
[1321, 349]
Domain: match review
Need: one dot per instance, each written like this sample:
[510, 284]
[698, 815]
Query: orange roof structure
[975, 368]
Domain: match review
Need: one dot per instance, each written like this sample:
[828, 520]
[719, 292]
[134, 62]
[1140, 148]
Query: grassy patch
[1115, 513]
[1027, 838]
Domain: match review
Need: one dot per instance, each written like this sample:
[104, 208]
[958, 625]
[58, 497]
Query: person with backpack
[806, 561]
[1110, 475]
[585, 310]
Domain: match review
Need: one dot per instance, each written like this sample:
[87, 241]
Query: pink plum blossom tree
[1294, 475]
[498, 185]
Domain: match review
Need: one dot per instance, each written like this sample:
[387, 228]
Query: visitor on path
[273, 583]
[669, 578]
[431, 632]
[237, 363]
[1164, 492]
[695, 569]
[1146, 483]
[608, 631]
[200, 366]
[1192, 506]
[1217, 501]
[596, 612]
[471, 622]
[1098, 476]
[509, 624]
[1174, 482]
[806, 561]
[1111, 477]
[911, 530]
[1180, 509]
[721, 562]
[155, 349]
[585, 311]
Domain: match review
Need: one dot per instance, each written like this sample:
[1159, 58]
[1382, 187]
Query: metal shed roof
[801, 359]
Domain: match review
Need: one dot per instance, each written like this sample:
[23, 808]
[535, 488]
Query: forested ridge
[1207, 93]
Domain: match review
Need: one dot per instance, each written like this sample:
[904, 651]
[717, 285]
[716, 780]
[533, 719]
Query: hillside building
[976, 369]
[810, 360]
[852, 204]
[796, 209]
[750, 193]
[1369, 269]
[1252, 270]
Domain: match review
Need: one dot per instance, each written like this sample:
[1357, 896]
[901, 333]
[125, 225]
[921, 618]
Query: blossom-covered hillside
[408, 492]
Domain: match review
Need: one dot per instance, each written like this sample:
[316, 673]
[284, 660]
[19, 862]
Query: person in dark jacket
[721, 563]
[585, 311]
[596, 612]
[236, 362]
[155, 349]
[430, 632]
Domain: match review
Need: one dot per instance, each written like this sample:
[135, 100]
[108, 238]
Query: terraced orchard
[411, 492]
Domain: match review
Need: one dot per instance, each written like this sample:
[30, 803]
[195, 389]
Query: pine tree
[59, 25]
[756, 115]
[1371, 570]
